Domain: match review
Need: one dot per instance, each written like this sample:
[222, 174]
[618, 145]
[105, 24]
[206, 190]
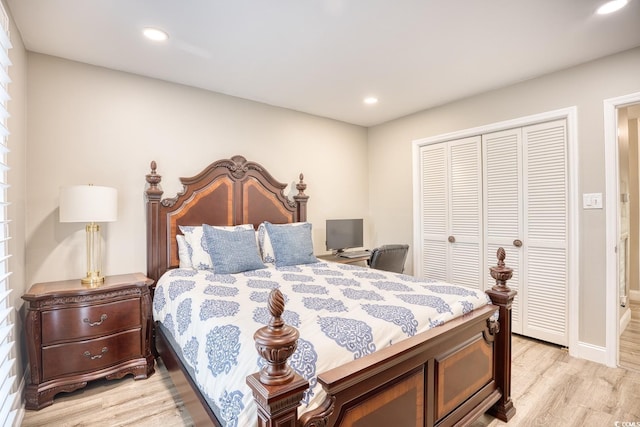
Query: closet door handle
[451, 239]
[517, 243]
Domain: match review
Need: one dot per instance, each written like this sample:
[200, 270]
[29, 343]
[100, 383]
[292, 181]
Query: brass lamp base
[94, 277]
[93, 280]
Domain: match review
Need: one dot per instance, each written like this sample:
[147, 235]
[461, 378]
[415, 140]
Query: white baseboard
[590, 352]
[624, 321]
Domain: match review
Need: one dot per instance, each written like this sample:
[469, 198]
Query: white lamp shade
[88, 203]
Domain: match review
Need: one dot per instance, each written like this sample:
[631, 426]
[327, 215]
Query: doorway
[622, 161]
[628, 239]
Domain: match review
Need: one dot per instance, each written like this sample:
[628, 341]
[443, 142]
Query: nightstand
[76, 333]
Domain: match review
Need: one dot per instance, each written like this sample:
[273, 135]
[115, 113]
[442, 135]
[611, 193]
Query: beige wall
[93, 125]
[90, 124]
[17, 178]
[585, 86]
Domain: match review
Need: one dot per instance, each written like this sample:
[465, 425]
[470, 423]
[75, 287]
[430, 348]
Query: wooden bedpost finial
[501, 273]
[154, 180]
[301, 200]
[276, 342]
[301, 186]
[276, 308]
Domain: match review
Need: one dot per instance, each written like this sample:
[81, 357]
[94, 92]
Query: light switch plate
[592, 200]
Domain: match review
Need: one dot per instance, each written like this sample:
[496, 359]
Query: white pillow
[183, 252]
[197, 244]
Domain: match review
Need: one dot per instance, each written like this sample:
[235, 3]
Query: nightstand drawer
[86, 356]
[85, 322]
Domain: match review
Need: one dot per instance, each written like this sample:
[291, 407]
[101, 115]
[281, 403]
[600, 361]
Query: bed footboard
[448, 375]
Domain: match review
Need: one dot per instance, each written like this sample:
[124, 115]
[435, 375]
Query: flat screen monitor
[343, 234]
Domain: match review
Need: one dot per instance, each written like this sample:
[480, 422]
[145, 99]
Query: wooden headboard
[227, 192]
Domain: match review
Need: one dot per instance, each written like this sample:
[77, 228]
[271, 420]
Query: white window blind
[7, 358]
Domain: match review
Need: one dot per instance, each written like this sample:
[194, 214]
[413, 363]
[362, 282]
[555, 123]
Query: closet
[509, 189]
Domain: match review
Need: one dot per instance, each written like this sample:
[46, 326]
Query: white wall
[93, 125]
[585, 86]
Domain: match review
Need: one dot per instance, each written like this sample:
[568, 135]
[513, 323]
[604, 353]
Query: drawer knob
[98, 323]
[95, 356]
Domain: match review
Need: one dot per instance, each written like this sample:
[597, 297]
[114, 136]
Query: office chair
[389, 258]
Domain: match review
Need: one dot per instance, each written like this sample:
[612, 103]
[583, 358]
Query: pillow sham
[184, 255]
[197, 244]
[264, 243]
[291, 243]
[232, 251]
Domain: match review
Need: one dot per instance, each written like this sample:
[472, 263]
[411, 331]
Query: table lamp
[90, 204]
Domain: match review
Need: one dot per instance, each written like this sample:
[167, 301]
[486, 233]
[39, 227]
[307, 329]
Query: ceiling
[323, 57]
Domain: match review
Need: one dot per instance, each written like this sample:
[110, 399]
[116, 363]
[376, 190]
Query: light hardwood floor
[124, 402]
[549, 388]
[630, 340]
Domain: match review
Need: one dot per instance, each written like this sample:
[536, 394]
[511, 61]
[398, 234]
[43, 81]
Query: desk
[342, 260]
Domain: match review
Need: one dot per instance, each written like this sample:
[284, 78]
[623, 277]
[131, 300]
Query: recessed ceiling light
[612, 6]
[155, 34]
[370, 100]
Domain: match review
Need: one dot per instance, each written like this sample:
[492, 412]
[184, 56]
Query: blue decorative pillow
[292, 244]
[264, 242]
[232, 251]
[195, 251]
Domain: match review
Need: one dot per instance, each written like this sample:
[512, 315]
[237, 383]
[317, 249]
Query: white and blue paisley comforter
[342, 312]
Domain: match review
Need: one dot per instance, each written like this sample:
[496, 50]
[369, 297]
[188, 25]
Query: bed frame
[449, 375]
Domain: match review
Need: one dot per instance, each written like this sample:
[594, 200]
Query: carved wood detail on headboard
[227, 192]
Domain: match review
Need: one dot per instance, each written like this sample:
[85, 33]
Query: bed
[331, 344]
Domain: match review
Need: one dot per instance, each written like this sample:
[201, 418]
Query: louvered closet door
[545, 289]
[525, 199]
[506, 189]
[434, 199]
[451, 191]
[503, 205]
[465, 212]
